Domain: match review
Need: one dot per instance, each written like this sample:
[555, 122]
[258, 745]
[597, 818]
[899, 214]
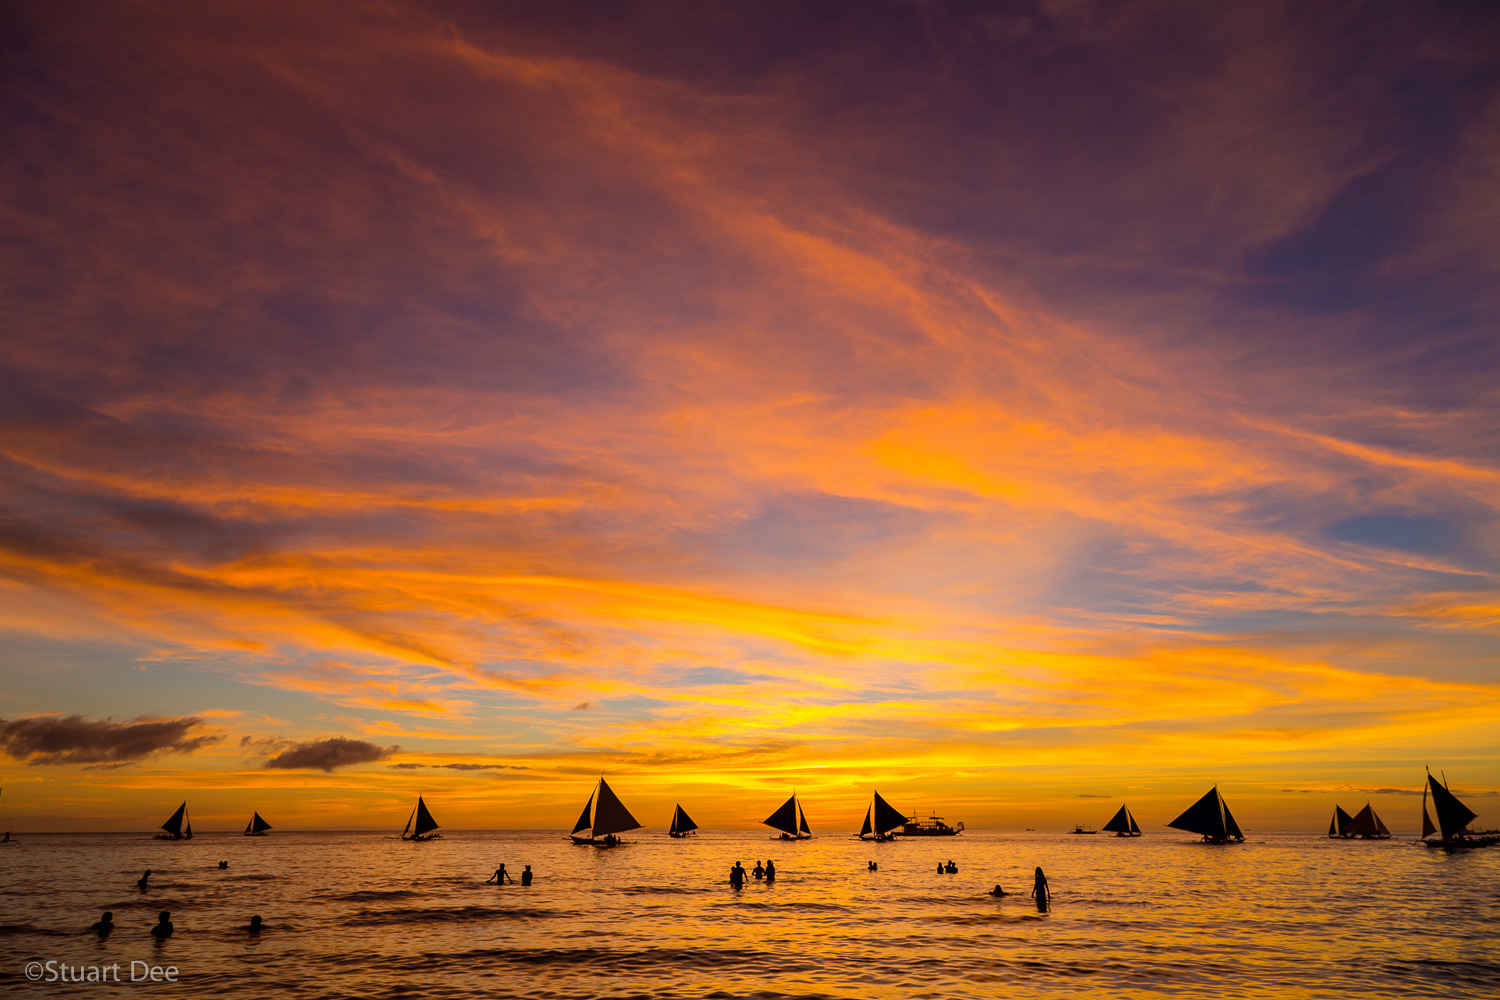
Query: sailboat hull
[602, 841]
[1462, 843]
[788, 836]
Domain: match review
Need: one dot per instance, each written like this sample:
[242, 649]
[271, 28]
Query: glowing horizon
[1001, 414]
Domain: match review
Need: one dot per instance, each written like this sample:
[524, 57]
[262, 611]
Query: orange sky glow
[1006, 410]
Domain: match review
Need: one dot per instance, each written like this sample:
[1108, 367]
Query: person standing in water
[255, 926]
[140, 883]
[997, 891]
[526, 875]
[104, 924]
[1041, 891]
[500, 877]
[770, 871]
[758, 871]
[163, 928]
[737, 876]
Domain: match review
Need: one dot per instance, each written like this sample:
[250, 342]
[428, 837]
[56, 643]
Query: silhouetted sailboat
[1363, 825]
[420, 824]
[605, 817]
[176, 830]
[682, 823]
[1453, 819]
[881, 820]
[790, 820]
[1210, 819]
[6, 808]
[257, 827]
[1123, 824]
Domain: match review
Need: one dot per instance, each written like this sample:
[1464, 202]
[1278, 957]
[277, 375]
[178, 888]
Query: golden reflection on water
[363, 914]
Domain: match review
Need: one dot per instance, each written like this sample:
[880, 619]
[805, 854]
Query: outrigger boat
[1210, 819]
[605, 817]
[1080, 828]
[1363, 825]
[424, 824]
[790, 820]
[932, 826]
[1453, 819]
[257, 827]
[881, 820]
[1123, 824]
[682, 823]
[175, 828]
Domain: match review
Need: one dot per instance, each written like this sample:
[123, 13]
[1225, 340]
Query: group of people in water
[502, 877]
[766, 871]
[164, 927]
[1040, 891]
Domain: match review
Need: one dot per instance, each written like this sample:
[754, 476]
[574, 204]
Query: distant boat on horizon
[420, 824]
[1453, 819]
[1363, 825]
[175, 825]
[682, 823]
[790, 820]
[881, 820]
[257, 827]
[6, 809]
[1123, 824]
[1080, 828]
[1210, 819]
[605, 817]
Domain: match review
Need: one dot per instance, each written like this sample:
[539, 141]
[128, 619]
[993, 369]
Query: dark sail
[584, 821]
[1134, 827]
[1427, 828]
[408, 824]
[425, 823]
[257, 825]
[610, 815]
[1230, 826]
[866, 829]
[1120, 823]
[1339, 825]
[681, 821]
[803, 813]
[785, 818]
[187, 833]
[886, 817]
[1453, 815]
[1204, 817]
[1366, 824]
[174, 825]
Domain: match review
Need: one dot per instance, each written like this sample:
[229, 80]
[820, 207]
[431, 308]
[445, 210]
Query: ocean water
[367, 915]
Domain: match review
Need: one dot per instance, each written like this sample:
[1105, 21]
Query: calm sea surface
[366, 915]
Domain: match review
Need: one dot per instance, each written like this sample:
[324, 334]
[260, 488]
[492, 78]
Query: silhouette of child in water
[104, 924]
[163, 928]
[758, 871]
[255, 926]
[140, 883]
[770, 871]
[526, 875]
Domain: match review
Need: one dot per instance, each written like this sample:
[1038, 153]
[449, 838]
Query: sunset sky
[1018, 407]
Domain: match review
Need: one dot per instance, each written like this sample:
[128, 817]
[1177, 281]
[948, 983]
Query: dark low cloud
[340, 751]
[72, 739]
[462, 767]
[1087, 795]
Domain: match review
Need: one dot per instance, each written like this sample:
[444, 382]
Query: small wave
[9, 930]
[1475, 973]
[662, 890]
[253, 878]
[375, 895]
[444, 915]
